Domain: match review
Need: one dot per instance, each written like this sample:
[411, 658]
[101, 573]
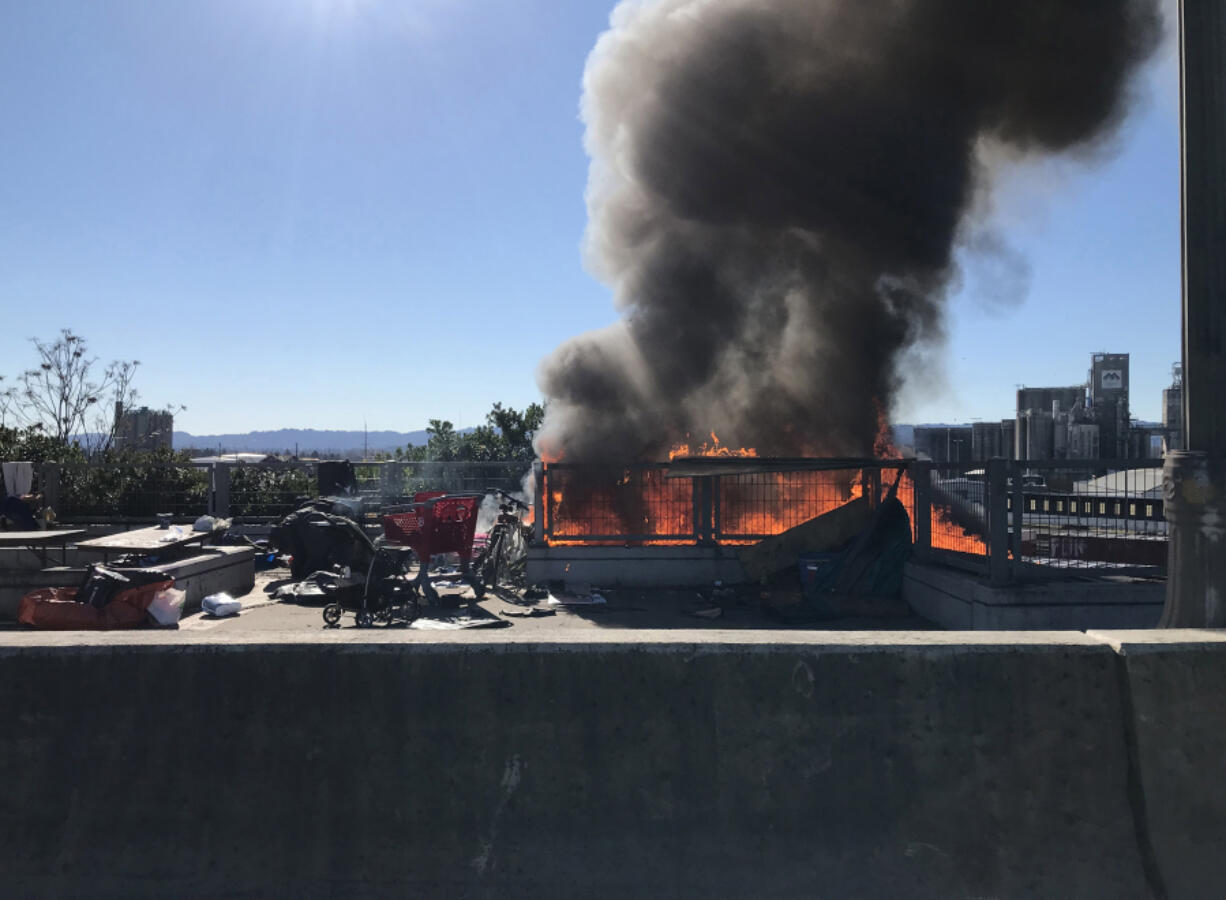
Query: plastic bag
[167, 606]
[220, 605]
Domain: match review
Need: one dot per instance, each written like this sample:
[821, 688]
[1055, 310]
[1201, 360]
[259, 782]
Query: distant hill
[306, 440]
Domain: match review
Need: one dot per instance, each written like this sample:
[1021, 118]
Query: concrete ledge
[636, 566]
[15, 584]
[763, 764]
[959, 600]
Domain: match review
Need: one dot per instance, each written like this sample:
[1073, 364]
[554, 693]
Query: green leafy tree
[506, 434]
[443, 443]
[36, 446]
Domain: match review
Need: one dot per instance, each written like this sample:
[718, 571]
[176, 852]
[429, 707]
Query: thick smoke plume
[776, 191]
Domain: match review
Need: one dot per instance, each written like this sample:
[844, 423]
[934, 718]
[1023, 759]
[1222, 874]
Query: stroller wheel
[365, 619]
[332, 615]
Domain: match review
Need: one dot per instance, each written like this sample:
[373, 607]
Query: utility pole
[1195, 478]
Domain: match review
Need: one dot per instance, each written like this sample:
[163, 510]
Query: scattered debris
[173, 533]
[220, 605]
[533, 612]
[455, 623]
[70, 608]
[167, 606]
[320, 586]
[567, 599]
[710, 612]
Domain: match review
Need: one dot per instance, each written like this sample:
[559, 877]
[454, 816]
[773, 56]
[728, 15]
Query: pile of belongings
[107, 598]
[870, 568]
[315, 539]
[323, 587]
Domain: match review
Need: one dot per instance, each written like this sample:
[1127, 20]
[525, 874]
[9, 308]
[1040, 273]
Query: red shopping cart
[442, 524]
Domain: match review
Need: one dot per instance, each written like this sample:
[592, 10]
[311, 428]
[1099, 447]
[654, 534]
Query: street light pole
[1195, 479]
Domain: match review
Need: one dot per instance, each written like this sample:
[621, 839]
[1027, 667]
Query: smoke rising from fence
[776, 191]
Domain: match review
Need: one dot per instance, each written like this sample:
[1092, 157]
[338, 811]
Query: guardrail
[649, 503]
[1008, 520]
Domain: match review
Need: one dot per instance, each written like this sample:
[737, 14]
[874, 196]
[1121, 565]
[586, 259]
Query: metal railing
[125, 492]
[134, 493]
[1005, 519]
[1107, 516]
[649, 503]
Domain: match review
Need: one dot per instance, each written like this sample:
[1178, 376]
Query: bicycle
[501, 563]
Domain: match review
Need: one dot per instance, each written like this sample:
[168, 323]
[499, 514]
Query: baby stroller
[443, 523]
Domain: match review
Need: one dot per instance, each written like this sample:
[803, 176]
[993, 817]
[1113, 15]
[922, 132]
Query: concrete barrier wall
[922, 766]
[959, 600]
[1177, 725]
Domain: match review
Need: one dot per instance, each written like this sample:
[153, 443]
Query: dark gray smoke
[776, 191]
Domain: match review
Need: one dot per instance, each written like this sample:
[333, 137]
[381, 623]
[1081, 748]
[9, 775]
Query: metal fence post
[391, 479]
[220, 477]
[538, 497]
[1018, 517]
[998, 521]
[921, 476]
[703, 518]
[51, 486]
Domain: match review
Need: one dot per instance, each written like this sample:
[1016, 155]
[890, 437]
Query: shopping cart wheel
[365, 619]
[332, 615]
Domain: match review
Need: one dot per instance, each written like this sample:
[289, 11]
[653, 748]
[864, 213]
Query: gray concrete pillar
[220, 507]
[1195, 505]
[1195, 481]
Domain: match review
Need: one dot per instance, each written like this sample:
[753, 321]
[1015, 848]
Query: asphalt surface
[709, 610]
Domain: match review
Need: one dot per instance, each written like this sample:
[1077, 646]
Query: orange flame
[714, 448]
[655, 510]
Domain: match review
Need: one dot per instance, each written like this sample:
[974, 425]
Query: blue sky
[314, 213]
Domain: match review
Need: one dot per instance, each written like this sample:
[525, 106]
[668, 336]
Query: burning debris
[776, 191]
